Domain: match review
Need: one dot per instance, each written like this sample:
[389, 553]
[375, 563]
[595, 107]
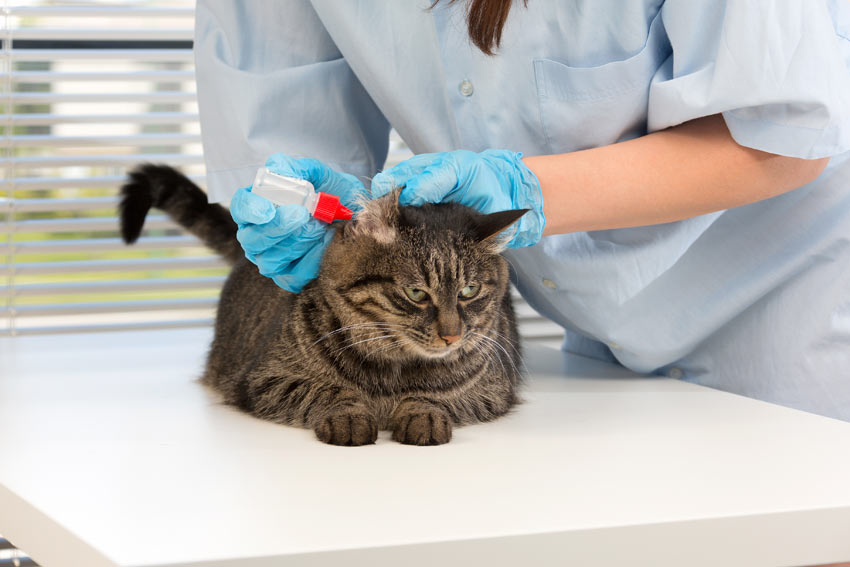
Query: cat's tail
[169, 190]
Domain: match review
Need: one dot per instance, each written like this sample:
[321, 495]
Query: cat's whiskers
[358, 326]
[391, 346]
[495, 344]
[337, 351]
[371, 333]
[504, 338]
[487, 350]
[478, 348]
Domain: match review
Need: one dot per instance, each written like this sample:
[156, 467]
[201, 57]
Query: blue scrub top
[753, 300]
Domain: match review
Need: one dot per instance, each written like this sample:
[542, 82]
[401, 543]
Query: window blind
[88, 91]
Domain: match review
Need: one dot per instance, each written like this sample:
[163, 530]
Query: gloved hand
[490, 181]
[286, 242]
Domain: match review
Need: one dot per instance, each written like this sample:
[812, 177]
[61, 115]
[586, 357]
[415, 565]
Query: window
[89, 91]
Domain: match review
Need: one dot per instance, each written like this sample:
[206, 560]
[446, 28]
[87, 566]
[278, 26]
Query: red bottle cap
[329, 209]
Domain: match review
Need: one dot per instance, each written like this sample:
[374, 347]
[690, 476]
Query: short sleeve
[270, 79]
[777, 71]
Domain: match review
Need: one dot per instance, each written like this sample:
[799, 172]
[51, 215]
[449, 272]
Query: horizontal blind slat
[193, 303]
[181, 55]
[130, 265]
[132, 140]
[97, 34]
[114, 160]
[96, 98]
[114, 286]
[50, 77]
[57, 182]
[141, 326]
[134, 9]
[44, 205]
[147, 118]
[79, 225]
[104, 244]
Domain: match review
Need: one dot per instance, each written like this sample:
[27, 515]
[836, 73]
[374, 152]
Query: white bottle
[282, 190]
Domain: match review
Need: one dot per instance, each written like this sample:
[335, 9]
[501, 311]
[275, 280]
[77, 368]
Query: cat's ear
[377, 219]
[490, 228]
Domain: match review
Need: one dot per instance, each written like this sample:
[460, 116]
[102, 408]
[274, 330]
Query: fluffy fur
[353, 353]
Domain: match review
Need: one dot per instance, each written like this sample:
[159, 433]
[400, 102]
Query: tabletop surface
[112, 454]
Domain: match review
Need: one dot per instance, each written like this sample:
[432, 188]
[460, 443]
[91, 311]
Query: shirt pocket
[587, 107]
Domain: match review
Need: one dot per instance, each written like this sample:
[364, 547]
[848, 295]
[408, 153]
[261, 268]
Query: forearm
[684, 171]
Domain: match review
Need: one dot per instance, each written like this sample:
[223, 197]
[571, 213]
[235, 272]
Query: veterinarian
[686, 163]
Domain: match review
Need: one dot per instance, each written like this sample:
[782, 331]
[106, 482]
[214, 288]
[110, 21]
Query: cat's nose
[450, 338]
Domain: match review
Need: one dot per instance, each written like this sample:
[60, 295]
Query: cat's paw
[349, 428]
[421, 424]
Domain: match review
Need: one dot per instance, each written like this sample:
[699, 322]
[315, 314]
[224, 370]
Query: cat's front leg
[342, 419]
[419, 421]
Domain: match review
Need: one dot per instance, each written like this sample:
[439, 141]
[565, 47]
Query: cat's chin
[418, 353]
[433, 353]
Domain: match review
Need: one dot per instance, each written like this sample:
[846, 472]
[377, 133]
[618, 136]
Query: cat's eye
[469, 291]
[415, 293]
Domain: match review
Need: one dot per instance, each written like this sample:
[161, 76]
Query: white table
[110, 454]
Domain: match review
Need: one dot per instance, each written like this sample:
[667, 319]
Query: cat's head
[418, 282]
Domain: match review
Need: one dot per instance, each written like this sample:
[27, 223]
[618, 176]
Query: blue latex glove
[490, 181]
[286, 242]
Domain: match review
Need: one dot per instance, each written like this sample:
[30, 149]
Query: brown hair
[485, 20]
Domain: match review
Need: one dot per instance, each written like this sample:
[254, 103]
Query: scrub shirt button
[675, 373]
[466, 88]
[550, 284]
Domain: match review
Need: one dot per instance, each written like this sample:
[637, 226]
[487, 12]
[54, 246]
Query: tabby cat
[408, 327]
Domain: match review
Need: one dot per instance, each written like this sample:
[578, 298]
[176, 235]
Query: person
[686, 163]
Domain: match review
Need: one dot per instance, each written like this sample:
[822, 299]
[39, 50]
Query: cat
[409, 325]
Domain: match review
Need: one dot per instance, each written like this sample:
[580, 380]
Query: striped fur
[169, 190]
[352, 353]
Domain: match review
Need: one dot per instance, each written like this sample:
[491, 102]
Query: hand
[490, 181]
[285, 242]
